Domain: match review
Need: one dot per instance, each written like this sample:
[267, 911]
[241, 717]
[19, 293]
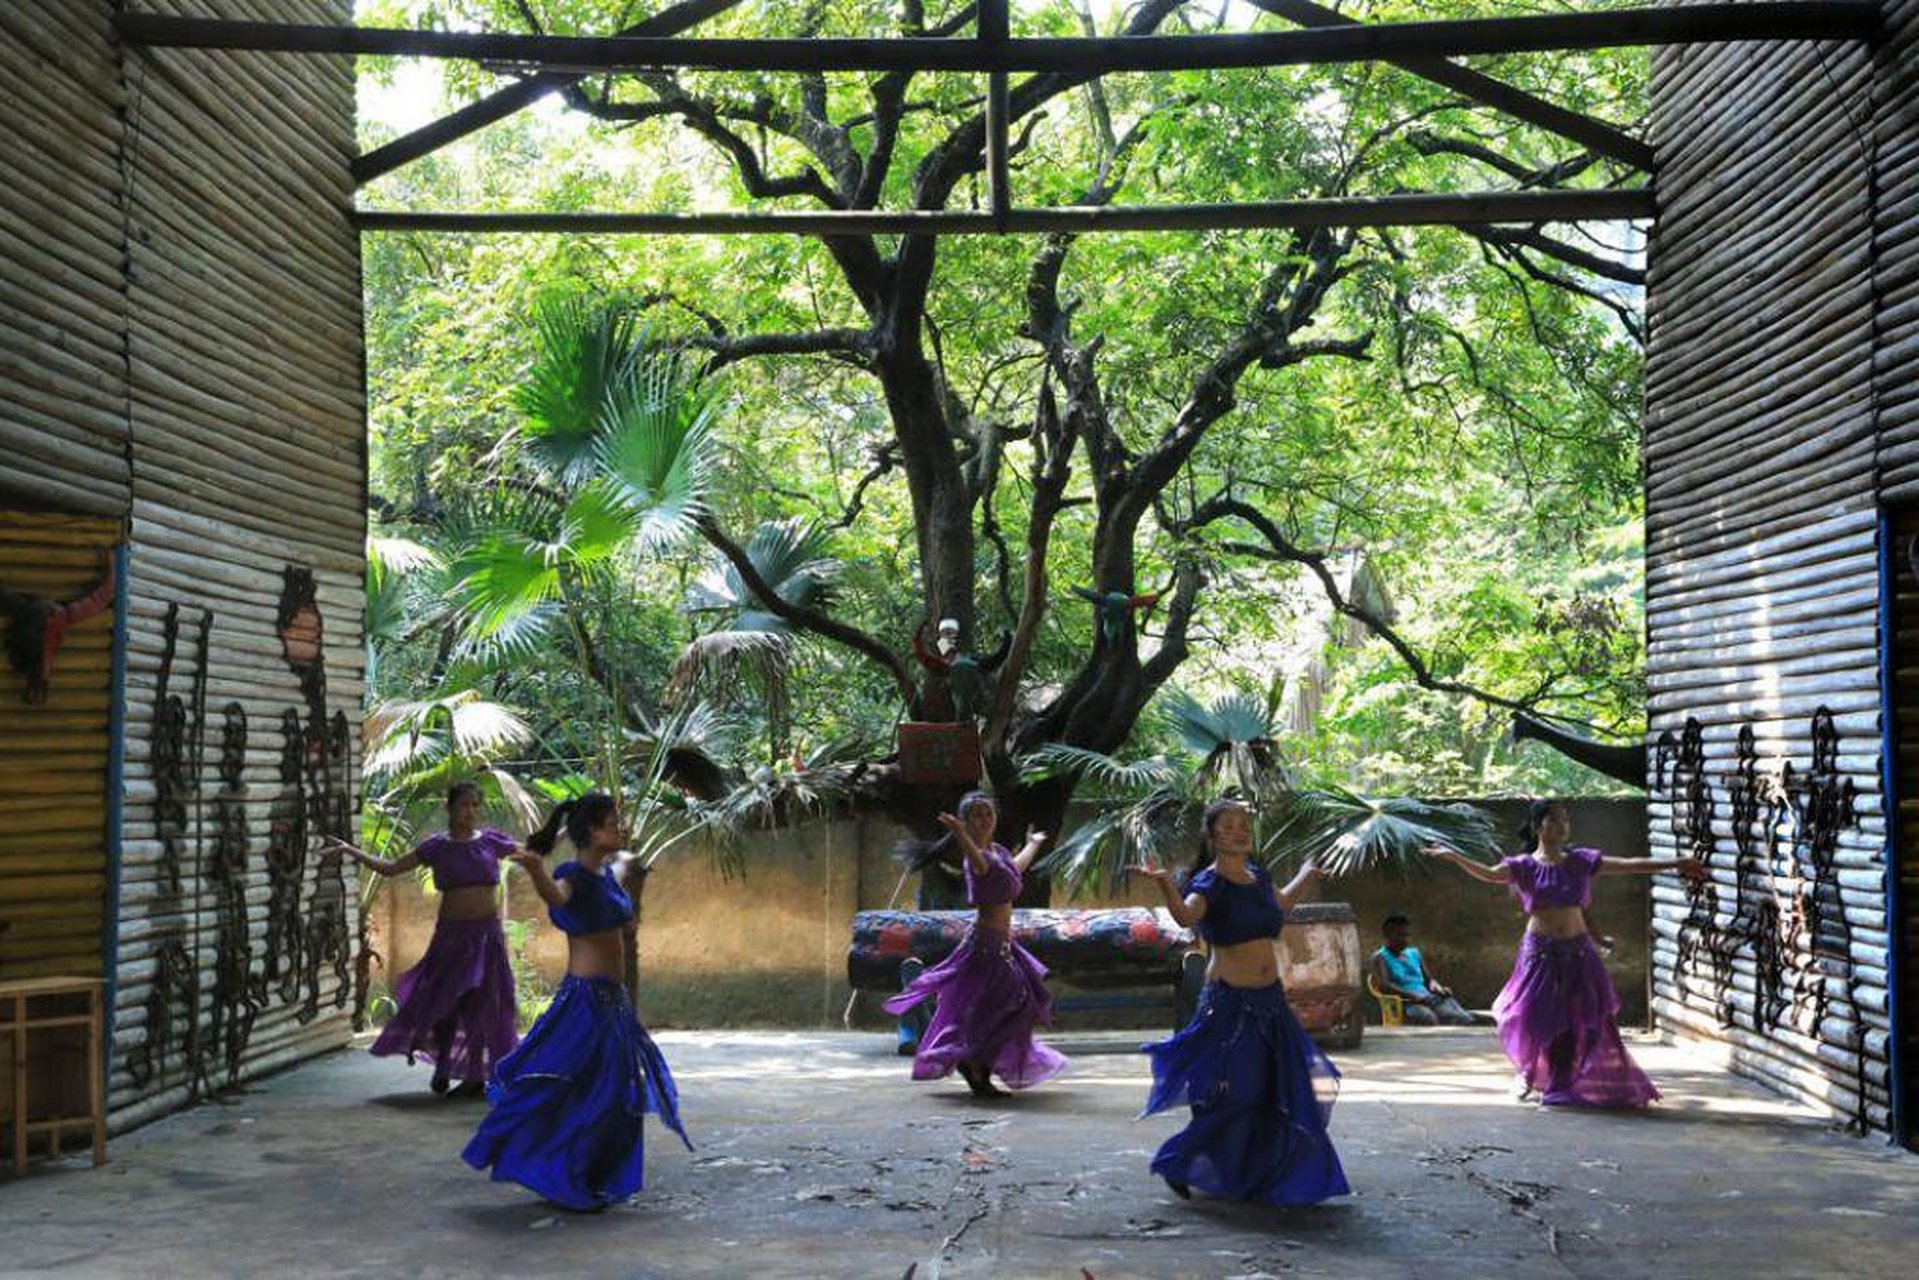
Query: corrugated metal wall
[63, 399]
[1762, 417]
[1896, 282]
[199, 295]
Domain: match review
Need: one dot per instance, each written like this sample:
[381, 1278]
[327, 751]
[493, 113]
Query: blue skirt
[568, 1104]
[1262, 1094]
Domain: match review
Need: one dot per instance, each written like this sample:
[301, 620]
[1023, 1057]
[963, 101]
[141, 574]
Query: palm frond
[1058, 759]
[791, 556]
[759, 658]
[1346, 832]
[583, 350]
[654, 446]
[1236, 738]
[399, 555]
[1157, 827]
[596, 526]
[1206, 727]
[391, 607]
[505, 551]
[480, 727]
[415, 742]
[518, 798]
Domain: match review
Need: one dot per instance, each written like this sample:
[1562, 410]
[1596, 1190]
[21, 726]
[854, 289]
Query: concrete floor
[818, 1157]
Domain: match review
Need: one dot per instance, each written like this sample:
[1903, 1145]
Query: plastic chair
[1392, 1009]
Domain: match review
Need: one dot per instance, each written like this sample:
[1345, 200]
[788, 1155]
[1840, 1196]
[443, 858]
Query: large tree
[1142, 415]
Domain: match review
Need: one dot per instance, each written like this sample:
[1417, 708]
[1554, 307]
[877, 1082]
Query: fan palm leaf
[791, 556]
[403, 736]
[1155, 827]
[391, 607]
[583, 350]
[654, 449]
[1345, 832]
[754, 646]
[1058, 759]
[1235, 737]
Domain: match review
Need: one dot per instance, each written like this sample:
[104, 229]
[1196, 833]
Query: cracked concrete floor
[818, 1157]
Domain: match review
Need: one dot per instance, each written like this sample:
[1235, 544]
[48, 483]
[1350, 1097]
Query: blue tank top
[1407, 969]
[1237, 912]
[598, 902]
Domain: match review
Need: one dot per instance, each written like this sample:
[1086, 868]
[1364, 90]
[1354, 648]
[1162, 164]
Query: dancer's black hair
[579, 815]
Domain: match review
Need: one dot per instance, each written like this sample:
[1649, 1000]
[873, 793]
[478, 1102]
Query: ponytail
[579, 815]
[543, 840]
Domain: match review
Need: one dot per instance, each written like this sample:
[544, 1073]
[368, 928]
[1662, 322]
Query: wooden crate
[52, 1077]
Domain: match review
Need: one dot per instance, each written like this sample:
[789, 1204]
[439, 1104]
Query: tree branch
[1553, 175]
[1278, 547]
[854, 346]
[1532, 238]
[801, 616]
[1052, 469]
[706, 118]
[885, 458]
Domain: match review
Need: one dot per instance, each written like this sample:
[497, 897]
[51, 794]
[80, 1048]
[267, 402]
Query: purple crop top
[1000, 882]
[465, 864]
[1566, 883]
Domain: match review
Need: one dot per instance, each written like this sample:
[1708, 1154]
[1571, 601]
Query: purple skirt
[1558, 1019]
[463, 979]
[990, 994]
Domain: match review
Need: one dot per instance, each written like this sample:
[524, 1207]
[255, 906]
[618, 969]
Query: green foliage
[1344, 832]
[1228, 745]
[1484, 454]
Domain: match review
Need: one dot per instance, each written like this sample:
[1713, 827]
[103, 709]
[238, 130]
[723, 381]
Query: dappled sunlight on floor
[817, 1155]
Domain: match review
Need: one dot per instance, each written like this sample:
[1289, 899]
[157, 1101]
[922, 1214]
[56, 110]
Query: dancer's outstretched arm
[1188, 911]
[1691, 868]
[378, 866]
[1479, 871]
[1035, 841]
[975, 857]
[1297, 885]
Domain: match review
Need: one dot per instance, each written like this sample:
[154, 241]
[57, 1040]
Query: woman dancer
[1260, 1090]
[568, 1105]
[456, 1005]
[990, 993]
[1558, 1013]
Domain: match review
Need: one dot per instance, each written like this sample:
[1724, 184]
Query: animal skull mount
[37, 627]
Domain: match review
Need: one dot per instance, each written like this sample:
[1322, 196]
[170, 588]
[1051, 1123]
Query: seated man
[1401, 971]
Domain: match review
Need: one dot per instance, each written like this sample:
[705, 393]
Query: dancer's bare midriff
[595, 955]
[471, 902]
[1557, 922]
[1250, 964]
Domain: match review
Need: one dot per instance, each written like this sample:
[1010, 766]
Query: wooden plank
[1617, 28]
[1358, 211]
